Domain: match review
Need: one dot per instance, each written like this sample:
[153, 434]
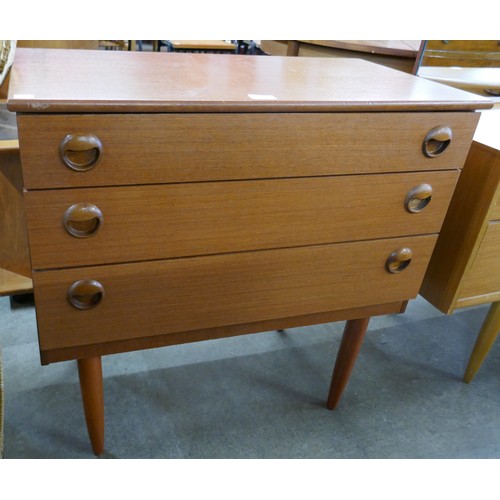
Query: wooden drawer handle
[398, 260]
[85, 294]
[82, 220]
[418, 198]
[436, 141]
[80, 152]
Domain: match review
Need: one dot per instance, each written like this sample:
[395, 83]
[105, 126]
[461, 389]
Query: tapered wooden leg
[352, 340]
[485, 339]
[91, 386]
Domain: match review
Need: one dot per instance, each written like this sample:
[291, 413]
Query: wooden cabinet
[397, 54]
[465, 268]
[15, 268]
[231, 195]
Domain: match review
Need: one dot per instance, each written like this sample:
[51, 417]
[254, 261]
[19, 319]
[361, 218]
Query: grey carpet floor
[263, 395]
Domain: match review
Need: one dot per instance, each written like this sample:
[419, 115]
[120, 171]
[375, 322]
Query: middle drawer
[177, 220]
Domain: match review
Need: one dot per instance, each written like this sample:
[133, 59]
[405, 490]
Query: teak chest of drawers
[172, 198]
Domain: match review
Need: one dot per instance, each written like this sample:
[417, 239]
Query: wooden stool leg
[91, 386]
[484, 341]
[352, 340]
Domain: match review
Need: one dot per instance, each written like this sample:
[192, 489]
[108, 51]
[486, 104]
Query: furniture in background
[191, 231]
[465, 267]
[117, 44]
[472, 65]
[202, 46]
[396, 54]
[15, 268]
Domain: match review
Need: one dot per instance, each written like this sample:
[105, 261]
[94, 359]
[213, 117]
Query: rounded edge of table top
[52, 80]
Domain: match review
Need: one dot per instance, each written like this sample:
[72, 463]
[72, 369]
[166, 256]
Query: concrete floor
[263, 395]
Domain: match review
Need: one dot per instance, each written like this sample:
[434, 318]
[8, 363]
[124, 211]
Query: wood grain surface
[14, 252]
[148, 149]
[472, 207]
[159, 297]
[150, 342]
[51, 80]
[175, 220]
[483, 277]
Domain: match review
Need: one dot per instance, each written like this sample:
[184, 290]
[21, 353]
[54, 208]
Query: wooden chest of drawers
[219, 195]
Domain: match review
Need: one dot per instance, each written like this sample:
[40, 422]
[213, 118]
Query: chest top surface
[52, 80]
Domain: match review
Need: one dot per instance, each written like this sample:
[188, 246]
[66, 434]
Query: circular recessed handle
[82, 220]
[80, 152]
[418, 198]
[85, 294]
[398, 260]
[436, 141]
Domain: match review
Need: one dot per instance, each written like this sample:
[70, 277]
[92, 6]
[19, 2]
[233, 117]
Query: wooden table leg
[91, 386]
[484, 341]
[352, 340]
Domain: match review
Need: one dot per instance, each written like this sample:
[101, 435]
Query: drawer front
[484, 275]
[161, 297]
[175, 220]
[164, 148]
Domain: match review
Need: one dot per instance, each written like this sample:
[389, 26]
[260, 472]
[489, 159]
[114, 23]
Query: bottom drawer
[160, 297]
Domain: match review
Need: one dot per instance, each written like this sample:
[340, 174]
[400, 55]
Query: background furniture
[15, 269]
[191, 231]
[465, 267]
[397, 54]
[204, 46]
[472, 65]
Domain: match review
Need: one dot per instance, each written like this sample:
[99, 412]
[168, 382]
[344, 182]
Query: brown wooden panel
[401, 48]
[104, 348]
[495, 209]
[4, 88]
[202, 45]
[174, 220]
[484, 275]
[462, 53]
[69, 81]
[13, 283]
[161, 297]
[14, 251]
[145, 149]
[58, 44]
[463, 228]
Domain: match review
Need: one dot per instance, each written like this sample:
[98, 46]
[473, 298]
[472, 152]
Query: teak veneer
[229, 195]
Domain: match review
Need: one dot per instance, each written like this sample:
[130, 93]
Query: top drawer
[164, 148]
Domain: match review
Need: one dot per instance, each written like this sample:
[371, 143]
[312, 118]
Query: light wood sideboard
[465, 267]
[229, 195]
